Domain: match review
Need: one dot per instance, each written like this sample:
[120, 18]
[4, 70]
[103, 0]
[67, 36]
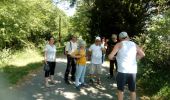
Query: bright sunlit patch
[70, 95]
[38, 96]
[65, 6]
[108, 96]
[93, 90]
[61, 60]
[59, 91]
[83, 92]
[102, 88]
[114, 85]
[105, 64]
[26, 57]
[59, 74]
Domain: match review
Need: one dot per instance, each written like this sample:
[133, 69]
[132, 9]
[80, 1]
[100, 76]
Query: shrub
[154, 68]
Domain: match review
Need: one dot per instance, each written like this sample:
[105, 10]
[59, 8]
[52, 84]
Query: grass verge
[20, 64]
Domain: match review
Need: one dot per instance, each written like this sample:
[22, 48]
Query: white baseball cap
[98, 38]
[123, 35]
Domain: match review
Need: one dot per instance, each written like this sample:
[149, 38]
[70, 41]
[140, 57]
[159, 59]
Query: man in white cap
[96, 51]
[127, 53]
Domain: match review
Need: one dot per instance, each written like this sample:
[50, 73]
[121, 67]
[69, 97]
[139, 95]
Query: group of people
[123, 54]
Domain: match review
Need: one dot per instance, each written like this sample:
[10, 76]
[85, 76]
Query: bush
[154, 68]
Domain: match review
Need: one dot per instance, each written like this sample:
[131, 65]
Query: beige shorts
[95, 69]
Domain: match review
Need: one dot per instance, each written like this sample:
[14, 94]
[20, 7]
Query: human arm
[140, 53]
[45, 54]
[75, 54]
[89, 52]
[67, 48]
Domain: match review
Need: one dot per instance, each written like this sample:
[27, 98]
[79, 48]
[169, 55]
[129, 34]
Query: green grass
[21, 63]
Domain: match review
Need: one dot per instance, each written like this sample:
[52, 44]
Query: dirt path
[35, 90]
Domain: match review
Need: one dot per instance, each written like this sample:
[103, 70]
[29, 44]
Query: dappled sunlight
[105, 64]
[59, 74]
[107, 95]
[25, 57]
[59, 91]
[70, 95]
[83, 92]
[36, 90]
[60, 60]
[93, 90]
[39, 96]
[101, 88]
[114, 85]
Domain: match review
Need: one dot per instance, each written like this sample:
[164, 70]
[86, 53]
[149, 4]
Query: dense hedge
[154, 68]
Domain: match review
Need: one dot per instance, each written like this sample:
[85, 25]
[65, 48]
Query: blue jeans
[80, 74]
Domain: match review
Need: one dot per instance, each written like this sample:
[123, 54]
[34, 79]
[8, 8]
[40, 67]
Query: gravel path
[34, 88]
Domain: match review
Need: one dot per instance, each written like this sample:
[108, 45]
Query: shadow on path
[35, 90]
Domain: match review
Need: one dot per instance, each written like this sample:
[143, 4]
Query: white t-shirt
[96, 57]
[50, 53]
[71, 47]
[126, 57]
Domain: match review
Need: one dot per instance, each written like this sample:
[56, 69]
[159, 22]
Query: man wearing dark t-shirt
[110, 45]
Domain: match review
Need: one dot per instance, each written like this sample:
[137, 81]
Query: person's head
[81, 44]
[114, 37]
[123, 36]
[74, 38]
[51, 40]
[97, 40]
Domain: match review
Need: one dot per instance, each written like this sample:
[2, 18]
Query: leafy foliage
[25, 21]
[105, 17]
[154, 73]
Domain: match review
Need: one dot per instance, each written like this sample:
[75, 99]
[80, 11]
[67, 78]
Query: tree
[25, 21]
[105, 17]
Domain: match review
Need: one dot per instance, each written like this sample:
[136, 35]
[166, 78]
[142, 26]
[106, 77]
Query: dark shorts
[126, 78]
[52, 69]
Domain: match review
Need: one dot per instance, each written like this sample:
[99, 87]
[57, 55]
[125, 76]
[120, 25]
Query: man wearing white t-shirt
[96, 51]
[127, 53]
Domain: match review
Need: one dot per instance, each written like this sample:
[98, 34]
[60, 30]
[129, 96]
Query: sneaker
[78, 88]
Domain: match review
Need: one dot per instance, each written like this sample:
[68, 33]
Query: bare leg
[115, 74]
[98, 79]
[120, 95]
[133, 95]
[92, 78]
[46, 82]
[52, 79]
